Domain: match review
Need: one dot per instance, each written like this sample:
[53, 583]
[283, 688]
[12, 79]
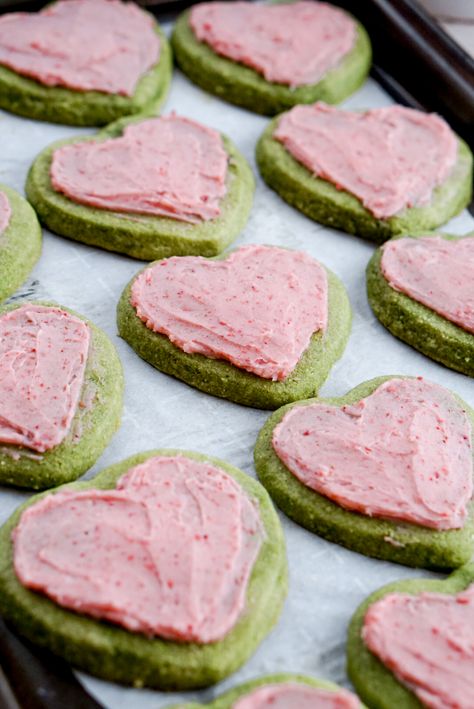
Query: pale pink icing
[43, 355]
[404, 452]
[427, 641]
[389, 158]
[100, 45]
[168, 166]
[169, 552]
[5, 212]
[292, 44]
[293, 695]
[436, 272]
[258, 308]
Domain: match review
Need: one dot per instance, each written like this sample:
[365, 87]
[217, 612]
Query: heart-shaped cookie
[385, 470]
[182, 554]
[419, 287]
[278, 325]
[410, 644]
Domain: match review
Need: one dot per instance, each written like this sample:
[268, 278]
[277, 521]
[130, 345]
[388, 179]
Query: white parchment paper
[327, 582]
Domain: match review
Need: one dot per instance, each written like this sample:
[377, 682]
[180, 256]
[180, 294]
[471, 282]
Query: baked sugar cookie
[83, 62]
[181, 562]
[386, 470]
[186, 189]
[261, 326]
[420, 288]
[20, 240]
[270, 57]
[60, 394]
[375, 174]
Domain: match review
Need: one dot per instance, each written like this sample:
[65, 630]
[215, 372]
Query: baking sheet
[327, 582]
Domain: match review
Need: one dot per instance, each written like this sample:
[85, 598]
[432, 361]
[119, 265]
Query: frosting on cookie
[257, 308]
[389, 158]
[5, 212]
[292, 44]
[85, 45]
[427, 641]
[168, 166]
[289, 695]
[404, 452]
[168, 552]
[436, 272]
[43, 356]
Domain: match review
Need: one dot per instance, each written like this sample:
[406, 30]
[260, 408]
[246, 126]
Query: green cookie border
[400, 542]
[226, 700]
[70, 459]
[245, 87]
[223, 379]
[20, 243]
[31, 99]
[415, 323]
[115, 654]
[374, 682]
[321, 201]
[141, 236]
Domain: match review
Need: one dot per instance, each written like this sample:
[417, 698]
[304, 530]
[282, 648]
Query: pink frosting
[168, 166]
[5, 212]
[404, 452]
[292, 695]
[389, 158]
[271, 301]
[100, 45]
[43, 356]
[427, 641]
[293, 44]
[436, 272]
[169, 552]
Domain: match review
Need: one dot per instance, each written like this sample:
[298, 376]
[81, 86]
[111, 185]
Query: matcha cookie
[60, 401]
[377, 470]
[397, 170]
[430, 650]
[83, 62]
[327, 53]
[139, 616]
[20, 240]
[420, 288]
[296, 690]
[279, 324]
[186, 190]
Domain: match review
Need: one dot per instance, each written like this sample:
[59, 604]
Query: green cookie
[401, 542]
[414, 323]
[141, 236]
[375, 683]
[225, 380]
[322, 201]
[30, 98]
[245, 87]
[92, 426]
[227, 700]
[20, 244]
[113, 653]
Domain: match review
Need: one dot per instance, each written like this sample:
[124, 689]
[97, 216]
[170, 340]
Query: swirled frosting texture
[291, 695]
[436, 272]
[258, 308]
[292, 44]
[167, 167]
[169, 552]
[5, 212]
[389, 158]
[43, 356]
[85, 45]
[427, 641]
[404, 452]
